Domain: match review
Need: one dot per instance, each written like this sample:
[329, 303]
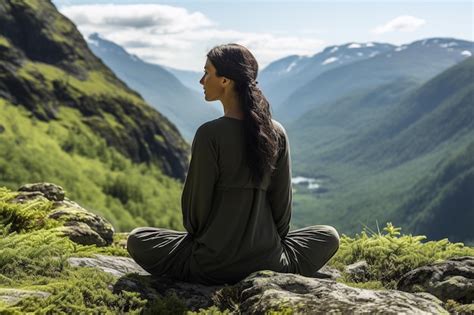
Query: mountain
[436, 112]
[280, 78]
[443, 198]
[404, 156]
[335, 125]
[392, 65]
[67, 118]
[186, 108]
[189, 78]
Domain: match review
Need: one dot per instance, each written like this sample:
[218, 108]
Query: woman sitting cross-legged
[237, 196]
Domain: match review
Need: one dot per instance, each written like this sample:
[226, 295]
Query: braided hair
[262, 140]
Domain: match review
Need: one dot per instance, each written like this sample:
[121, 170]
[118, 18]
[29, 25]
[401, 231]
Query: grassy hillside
[444, 198]
[390, 162]
[65, 151]
[440, 110]
[336, 124]
[66, 118]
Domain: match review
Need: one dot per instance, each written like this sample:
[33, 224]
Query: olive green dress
[234, 227]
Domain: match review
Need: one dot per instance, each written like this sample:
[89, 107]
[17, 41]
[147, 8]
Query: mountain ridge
[379, 166]
[158, 86]
[371, 72]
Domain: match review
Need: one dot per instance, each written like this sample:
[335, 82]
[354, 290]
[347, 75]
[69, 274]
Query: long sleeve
[280, 189]
[203, 172]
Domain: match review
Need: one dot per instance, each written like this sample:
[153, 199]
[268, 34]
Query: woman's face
[212, 84]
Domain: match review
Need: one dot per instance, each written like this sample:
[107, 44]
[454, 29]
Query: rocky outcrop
[80, 225]
[451, 279]
[49, 191]
[116, 266]
[265, 290]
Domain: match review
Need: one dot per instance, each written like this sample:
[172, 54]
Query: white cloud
[404, 23]
[155, 18]
[175, 37]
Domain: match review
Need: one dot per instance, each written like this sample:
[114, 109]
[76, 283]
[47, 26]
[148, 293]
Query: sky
[179, 33]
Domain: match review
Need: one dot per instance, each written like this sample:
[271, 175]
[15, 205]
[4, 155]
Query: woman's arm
[280, 189]
[203, 172]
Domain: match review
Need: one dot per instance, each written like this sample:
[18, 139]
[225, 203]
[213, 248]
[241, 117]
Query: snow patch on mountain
[329, 60]
[400, 48]
[446, 45]
[374, 53]
[288, 69]
[354, 45]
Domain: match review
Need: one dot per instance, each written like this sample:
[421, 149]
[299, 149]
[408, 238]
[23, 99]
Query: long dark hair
[262, 140]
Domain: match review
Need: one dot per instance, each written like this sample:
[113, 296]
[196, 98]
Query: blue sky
[179, 33]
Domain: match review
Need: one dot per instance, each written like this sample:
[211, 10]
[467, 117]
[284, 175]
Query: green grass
[390, 255]
[4, 42]
[34, 257]
[66, 152]
[95, 85]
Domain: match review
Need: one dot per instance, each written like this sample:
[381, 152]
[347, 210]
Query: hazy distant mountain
[186, 108]
[419, 61]
[187, 77]
[280, 78]
[401, 152]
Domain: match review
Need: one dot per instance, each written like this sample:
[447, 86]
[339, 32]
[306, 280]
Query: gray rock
[266, 290]
[117, 266]
[50, 191]
[327, 272]
[358, 271]
[26, 196]
[449, 279]
[80, 225]
[96, 227]
[12, 296]
[81, 233]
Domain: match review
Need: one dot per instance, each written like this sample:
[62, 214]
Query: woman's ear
[226, 81]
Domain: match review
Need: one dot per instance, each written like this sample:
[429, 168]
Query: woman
[237, 196]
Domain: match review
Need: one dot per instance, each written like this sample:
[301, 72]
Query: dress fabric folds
[233, 226]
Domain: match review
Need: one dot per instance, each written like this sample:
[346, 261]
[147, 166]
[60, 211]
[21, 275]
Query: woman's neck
[232, 107]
